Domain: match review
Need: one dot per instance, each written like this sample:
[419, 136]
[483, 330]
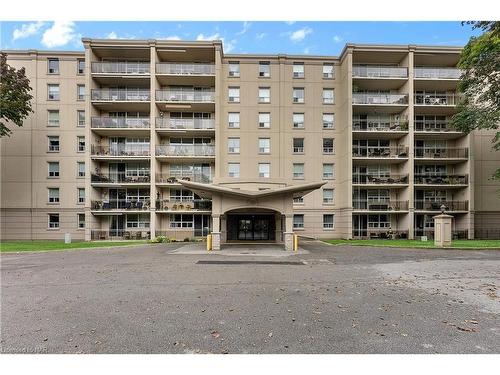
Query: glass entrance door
[245, 229]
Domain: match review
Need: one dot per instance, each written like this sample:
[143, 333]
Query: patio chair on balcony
[171, 180]
[186, 178]
[127, 205]
[188, 207]
[174, 207]
[139, 205]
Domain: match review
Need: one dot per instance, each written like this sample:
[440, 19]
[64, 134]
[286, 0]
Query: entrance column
[215, 232]
[288, 235]
[278, 231]
[223, 228]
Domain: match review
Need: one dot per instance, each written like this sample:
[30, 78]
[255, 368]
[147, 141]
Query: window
[264, 145]
[298, 95]
[328, 171]
[298, 221]
[81, 221]
[233, 145]
[327, 145]
[328, 120]
[181, 221]
[264, 170]
[53, 92]
[53, 143]
[53, 66]
[233, 119]
[298, 70]
[81, 195]
[328, 96]
[53, 221]
[80, 66]
[298, 120]
[264, 95]
[264, 120]
[264, 69]
[328, 221]
[234, 69]
[298, 200]
[328, 71]
[234, 170]
[81, 143]
[298, 171]
[298, 145]
[137, 221]
[81, 168]
[81, 118]
[80, 92]
[53, 117]
[327, 196]
[53, 195]
[53, 169]
[234, 94]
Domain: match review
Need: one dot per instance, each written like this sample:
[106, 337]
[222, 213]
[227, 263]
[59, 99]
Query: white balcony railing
[120, 122]
[438, 73]
[121, 95]
[120, 67]
[185, 150]
[184, 123]
[377, 71]
[436, 99]
[192, 96]
[185, 69]
[369, 98]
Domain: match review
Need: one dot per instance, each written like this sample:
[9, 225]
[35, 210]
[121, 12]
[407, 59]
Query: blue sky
[320, 38]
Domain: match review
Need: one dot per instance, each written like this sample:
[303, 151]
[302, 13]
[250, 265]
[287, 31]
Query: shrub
[160, 239]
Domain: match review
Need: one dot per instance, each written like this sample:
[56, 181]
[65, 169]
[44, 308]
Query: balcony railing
[185, 69]
[120, 234]
[366, 98]
[121, 95]
[120, 67]
[127, 150]
[120, 122]
[185, 150]
[380, 126]
[436, 153]
[379, 71]
[438, 73]
[380, 180]
[379, 152]
[185, 123]
[172, 178]
[118, 178]
[429, 232]
[185, 204]
[121, 204]
[444, 126]
[379, 205]
[436, 206]
[444, 179]
[436, 99]
[185, 96]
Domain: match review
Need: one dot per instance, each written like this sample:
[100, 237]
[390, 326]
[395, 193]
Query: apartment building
[179, 139]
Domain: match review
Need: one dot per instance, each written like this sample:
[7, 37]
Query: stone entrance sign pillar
[442, 230]
[215, 232]
[288, 235]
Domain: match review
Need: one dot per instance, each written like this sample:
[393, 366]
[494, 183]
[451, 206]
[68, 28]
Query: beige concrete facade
[369, 129]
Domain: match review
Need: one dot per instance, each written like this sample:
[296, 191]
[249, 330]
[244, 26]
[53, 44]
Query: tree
[15, 97]
[479, 107]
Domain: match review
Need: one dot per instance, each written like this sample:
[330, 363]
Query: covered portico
[251, 215]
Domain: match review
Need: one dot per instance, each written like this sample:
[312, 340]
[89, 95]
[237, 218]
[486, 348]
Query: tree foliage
[15, 97]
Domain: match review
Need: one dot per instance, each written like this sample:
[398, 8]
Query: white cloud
[59, 34]
[27, 30]
[171, 37]
[290, 22]
[337, 39]
[228, 46]
[300, 34]
[112, 35]
[215, 36]
[260, 36]
[246, 26]
[307, 51]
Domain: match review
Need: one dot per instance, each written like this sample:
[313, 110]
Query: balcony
[185, 124]
[201, 150]
[399, 152]
[379, 205]
[112, 125]
[121, 95]
[191, 96]
[118, 178]
[384, 99]
[379, 71]
[184, 204]
[379, 129]
[422, 205]
[120, 68]
[441, 153]
[120, 205]
[173, 178]
[130, 150]
[444, 179]
[185, 69]
[437, 73]
[434, 126]
[368, 179]
[120, 234]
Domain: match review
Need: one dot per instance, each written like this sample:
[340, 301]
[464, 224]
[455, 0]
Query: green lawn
[13, 246]
[463, 244]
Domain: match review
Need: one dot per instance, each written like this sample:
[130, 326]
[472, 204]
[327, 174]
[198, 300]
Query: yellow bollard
[295, 242]
[209, 242]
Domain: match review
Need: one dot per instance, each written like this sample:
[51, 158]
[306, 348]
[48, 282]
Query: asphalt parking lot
[169, 298]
